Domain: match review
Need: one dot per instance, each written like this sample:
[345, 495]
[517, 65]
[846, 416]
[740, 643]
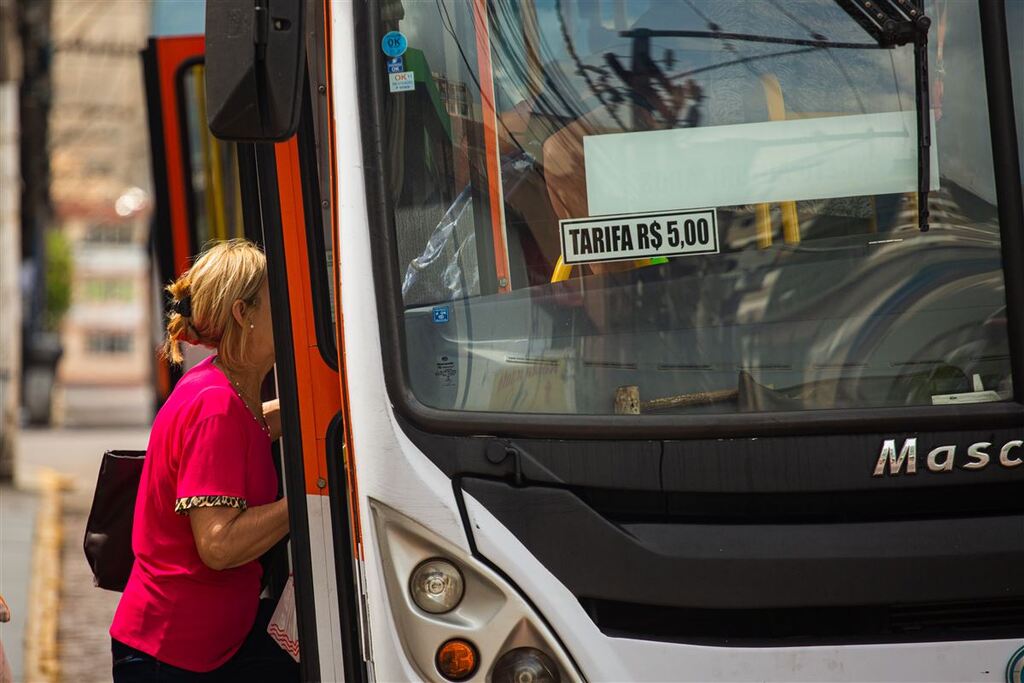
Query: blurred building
[99, 156]
[10, 229]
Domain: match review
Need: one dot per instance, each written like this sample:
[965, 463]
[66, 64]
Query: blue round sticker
[394, 44]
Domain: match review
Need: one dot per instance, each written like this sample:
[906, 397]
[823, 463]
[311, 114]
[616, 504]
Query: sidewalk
[17, 526]
[85, 611]
[75, 453]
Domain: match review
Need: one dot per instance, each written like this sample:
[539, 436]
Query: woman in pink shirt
[206, 508]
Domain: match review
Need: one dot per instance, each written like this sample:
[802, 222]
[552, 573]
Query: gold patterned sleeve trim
[183, 505]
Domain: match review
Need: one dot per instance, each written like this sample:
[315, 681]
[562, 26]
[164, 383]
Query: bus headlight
[455, 618]
[436, 586]
[525, 665]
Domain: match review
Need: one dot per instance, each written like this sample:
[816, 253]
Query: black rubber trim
[1006, 166]
[248, 187]
[186, 151]
[341, 522]
[370, 73]
[811, 626]
[315, 244]
[291, 425]
[160, 232]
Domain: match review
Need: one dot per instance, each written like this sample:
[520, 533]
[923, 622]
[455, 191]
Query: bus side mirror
[254, 68]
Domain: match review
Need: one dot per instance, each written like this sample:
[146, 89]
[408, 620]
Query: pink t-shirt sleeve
[212, 471]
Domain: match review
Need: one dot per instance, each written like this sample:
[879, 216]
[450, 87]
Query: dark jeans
[259, 659]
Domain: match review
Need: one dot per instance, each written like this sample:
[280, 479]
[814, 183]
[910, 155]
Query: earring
[251, 326]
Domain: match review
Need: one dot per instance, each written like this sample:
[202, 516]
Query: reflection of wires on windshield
[705, 18]
[581, 67]
[729, 47]
[550, 86]
[835, 60]
[798, 21]
[442, 13]
[742, 60]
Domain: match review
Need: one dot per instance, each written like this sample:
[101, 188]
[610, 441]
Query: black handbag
[108, 533]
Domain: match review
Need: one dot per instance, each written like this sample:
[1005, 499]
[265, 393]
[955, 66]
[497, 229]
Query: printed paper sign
[396, 65]
[626, 237]
[402, 82]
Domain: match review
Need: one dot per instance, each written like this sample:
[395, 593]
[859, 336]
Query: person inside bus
[206, 508]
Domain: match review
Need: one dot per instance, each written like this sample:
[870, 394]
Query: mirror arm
[261, 27]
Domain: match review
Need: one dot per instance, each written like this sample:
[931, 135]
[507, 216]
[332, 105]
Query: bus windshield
[689, 206]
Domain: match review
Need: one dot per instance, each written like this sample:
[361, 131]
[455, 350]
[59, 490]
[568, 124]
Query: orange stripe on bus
[490, 121]
[316, 381]
[171, 53]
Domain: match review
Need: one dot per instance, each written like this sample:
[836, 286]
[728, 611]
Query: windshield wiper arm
[890, 22]
[899, 22]
[922, 99]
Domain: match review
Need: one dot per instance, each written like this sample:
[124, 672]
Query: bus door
[196, 178]
[209, 189]
[323, 533]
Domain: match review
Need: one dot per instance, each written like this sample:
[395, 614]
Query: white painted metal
[619, 659]
[492, 614]
[328, 627]
[388, 467]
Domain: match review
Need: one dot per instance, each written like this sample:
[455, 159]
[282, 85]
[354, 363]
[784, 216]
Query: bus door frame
[174, 237]
[171, 236]
[315, 437]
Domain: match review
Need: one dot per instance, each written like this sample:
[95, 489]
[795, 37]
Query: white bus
[631, 340]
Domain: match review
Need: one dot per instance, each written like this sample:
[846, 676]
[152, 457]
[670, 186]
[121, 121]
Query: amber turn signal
[457, 659]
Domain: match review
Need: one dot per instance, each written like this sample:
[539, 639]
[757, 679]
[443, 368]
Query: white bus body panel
[388, 468]
[325, 580]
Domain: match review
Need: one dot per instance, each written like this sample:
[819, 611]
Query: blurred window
[101, 290]
[110, 233]
[104, 343]
[211, 166]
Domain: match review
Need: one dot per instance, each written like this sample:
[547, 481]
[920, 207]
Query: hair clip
[183, 307]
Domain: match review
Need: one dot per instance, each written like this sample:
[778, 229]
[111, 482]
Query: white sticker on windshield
[627, 237]
[403, 81]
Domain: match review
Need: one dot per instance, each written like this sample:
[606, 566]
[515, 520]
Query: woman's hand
[272, 414]
[228, 537]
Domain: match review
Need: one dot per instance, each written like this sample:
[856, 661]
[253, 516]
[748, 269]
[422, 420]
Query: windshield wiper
[894, 23]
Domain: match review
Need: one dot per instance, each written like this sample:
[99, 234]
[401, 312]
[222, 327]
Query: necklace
[260, 421]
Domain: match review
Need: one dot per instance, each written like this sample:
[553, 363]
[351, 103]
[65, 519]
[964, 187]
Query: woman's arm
[272, 414]
[227, 537]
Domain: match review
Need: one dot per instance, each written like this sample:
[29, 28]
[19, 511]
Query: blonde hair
[201, 300]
